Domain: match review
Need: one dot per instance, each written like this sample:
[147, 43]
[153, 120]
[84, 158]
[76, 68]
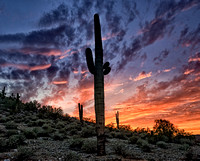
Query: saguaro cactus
[3, 93]
[117, 119]
[98, 70]
[80, 108]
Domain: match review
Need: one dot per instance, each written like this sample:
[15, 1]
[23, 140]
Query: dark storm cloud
[170, 8]
[157, 60]
[9, 38]
[190, 38]
[58, 15]
[129, 53]
[154, 30]
[54, 36]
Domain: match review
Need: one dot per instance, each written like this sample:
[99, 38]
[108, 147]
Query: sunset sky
[153, 47]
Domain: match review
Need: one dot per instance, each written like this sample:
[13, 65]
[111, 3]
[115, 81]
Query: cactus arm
[90, 62]
[106, 68]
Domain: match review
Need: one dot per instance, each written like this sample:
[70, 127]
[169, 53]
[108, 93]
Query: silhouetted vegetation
[24, 125]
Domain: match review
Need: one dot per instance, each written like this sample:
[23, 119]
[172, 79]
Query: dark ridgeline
[117, 119]
[80, 108]
[98, 70]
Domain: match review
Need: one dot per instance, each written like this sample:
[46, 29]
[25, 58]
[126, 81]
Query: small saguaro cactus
[3, 93]
[18, 97]
[98, 69]
[80, 108]
[117, 119]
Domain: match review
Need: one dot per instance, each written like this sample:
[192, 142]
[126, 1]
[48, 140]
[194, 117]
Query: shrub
[3, 144]
[76, 143]
[153, 139]
[133, 139]
[11, 132]
[60, 125]
[47, 128]
[40, 132]
[145, 147]
[30, 133]
[141, 142]
[163, 138]
[40, 122]
[58, 136]
[89, 146]
[3, 119]
[16, 140]
[72, 156]
[88, 132]
[73, 132]
[184, 147]
[162, 144]
[121, 149]
[23, 153]
[186, 141]
[10, 125]
[120, 135]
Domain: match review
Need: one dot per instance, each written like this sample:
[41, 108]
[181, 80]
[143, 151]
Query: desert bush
[120, 135]
[11, 132]
[121, 149]
[40, 132]
[141, 142]
[133, 139]
[73, 132]
[3, 144]
[163, 138]
[30, 133]
[125, 127]
[162, 144]
[3, 119]
[146, 147]
[57, 136]
[76, 143]
[153, 139]
[16, 140]
[110, 126]
[72, 156]
[60, 125]
[186, 141]
[39, 122]
[48, 128]
[10, 125]
[23, 153]
[184, 147]
[88, 131]
[89, 146]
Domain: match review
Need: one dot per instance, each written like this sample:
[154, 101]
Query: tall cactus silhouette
[117, 119]
[80, 108]
[98, 70]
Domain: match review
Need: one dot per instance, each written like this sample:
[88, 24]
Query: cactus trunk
[117, 119]
[98, 70]
[80, 108]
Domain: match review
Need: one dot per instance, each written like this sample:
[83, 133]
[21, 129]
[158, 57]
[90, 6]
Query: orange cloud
[59, 82]
[26, 67]
[40, 67]
[188, 71]
[143, 75]
[193, 59]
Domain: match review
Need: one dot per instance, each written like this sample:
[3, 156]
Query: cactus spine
[98, 70]
[80, 108]
[117, 119]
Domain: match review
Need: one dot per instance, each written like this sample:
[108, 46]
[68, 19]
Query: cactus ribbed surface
[98, 70]
[117, 119]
